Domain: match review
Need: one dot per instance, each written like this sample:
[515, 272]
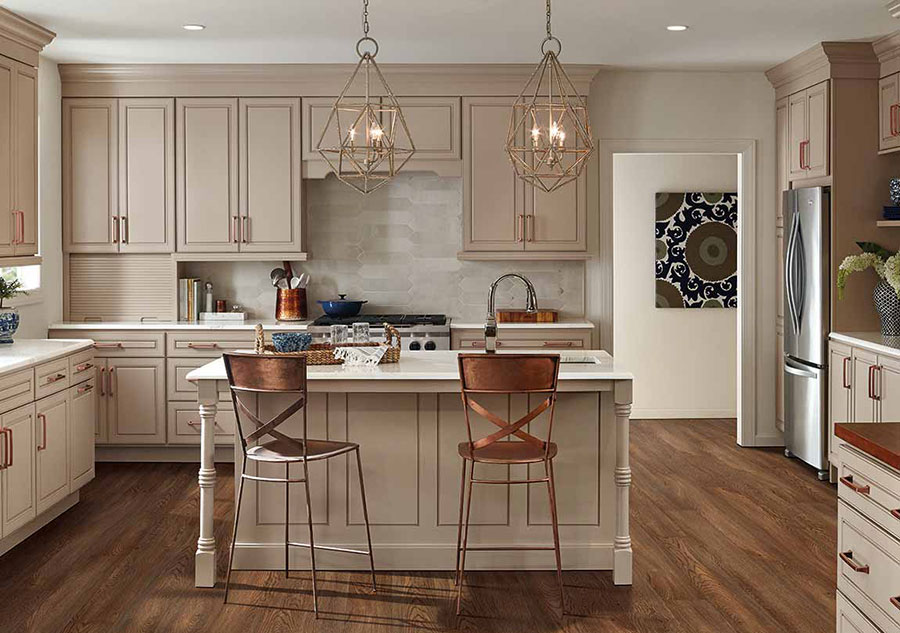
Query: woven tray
[323, 353]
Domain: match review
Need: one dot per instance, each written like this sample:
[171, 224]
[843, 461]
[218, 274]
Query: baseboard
[10, 541]
[681, 414]
[421, 557]
[179, 454]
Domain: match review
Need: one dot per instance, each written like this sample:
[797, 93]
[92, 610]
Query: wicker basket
[323, 353]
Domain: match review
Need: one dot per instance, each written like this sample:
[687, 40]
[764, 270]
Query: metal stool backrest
[252, 374]
[509, 374]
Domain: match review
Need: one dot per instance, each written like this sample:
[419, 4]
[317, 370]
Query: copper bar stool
[506, 374]
[251, 374]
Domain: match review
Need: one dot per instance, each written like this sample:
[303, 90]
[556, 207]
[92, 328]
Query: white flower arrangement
[885, 264]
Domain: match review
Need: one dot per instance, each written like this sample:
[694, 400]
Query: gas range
[426, 332]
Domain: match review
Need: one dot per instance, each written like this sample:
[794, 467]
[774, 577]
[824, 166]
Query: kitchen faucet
[490, 325]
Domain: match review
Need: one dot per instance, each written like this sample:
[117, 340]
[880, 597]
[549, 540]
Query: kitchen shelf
[884, 224]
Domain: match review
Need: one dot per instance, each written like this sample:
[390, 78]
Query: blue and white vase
[888, 305]
[894, 189]
[9, 323]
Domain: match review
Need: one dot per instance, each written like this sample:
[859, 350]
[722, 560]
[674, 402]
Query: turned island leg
[622, 555]
[205, 558]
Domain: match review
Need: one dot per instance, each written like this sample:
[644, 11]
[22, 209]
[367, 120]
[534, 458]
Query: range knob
[430, 345]
[415, 346]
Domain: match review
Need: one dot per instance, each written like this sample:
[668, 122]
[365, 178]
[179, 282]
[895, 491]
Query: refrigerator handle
[789, 273]
[796, 371]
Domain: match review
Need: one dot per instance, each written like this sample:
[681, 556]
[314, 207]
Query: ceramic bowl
[286, 342]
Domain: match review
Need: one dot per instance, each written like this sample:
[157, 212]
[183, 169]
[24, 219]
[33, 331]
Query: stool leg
[362, 492]
[551, 485]
[312, 545]
[237, 514]
[462, 562]
[459, 522]
[287, 516]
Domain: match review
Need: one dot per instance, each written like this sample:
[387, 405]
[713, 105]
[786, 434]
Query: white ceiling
[724, 34]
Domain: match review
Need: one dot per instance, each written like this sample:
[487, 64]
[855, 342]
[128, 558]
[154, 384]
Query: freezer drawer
[804, 412]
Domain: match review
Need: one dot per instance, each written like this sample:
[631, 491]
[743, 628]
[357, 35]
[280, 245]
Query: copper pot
[290, 304]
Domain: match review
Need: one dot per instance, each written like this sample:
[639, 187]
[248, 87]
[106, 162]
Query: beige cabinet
[17, 494]
[146, 138]
[7, 196]
[18, 159]
[889, 113]
[550, 339]
[83, 414]
[782, 158]
[887, 389]
[809, 130]
[270, 183]
[135, 395]
[207, 175]
[434, 125]
[865, 365]
[315, 117]
[840, 392]
[779, 374]
[51, 450]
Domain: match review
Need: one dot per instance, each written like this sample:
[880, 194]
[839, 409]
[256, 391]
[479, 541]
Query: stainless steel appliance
[418, 332]
[807, 298]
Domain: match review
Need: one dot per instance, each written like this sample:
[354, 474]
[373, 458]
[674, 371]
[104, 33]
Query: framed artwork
[696, 250]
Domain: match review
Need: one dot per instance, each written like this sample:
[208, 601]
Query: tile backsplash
[397, 249]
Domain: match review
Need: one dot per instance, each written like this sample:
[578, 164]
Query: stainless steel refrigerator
[807, 296]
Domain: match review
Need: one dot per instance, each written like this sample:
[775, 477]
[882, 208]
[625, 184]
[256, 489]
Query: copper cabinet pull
[102, 381]
[847, 480]
[124, 221]
[847, 557]
[9, 447]
[529, 224]
[804, 145]
[480, 344]
[235, 229]
[895, 513]
[3, 464]
[202, 345]
[520, 228]
[52, 379]
[43, 445]
[895, 600]
[194, 424]
[115, 228]
[108, 345]
[559, 343]
[245, 229]
[845, 381]
[109, 385]
[876, 382]
[85, 388]
[871, 372]
[82, 367]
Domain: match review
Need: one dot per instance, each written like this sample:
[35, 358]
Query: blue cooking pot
[341, 307]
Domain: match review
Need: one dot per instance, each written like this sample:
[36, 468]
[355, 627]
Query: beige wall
[685, 359]
[37, 316]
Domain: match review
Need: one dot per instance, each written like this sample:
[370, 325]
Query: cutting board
[521, 316]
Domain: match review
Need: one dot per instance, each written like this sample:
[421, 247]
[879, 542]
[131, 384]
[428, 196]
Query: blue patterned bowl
[286, 342]
[9, 323]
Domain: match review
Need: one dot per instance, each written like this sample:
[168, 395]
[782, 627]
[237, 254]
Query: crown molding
[24, 39]
[120, 80]
[825, 60]
[887, 49]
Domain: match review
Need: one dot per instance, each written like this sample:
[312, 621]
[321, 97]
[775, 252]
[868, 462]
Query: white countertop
[873, 341]
[434, 365]
[27, 352]
[559, 325]
[182, 325]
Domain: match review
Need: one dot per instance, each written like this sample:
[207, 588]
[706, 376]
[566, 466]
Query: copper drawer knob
[847, 480]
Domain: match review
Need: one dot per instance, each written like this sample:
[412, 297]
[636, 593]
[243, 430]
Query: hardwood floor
[726, 540]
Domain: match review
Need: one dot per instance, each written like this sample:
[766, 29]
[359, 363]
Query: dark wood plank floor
[726, 540]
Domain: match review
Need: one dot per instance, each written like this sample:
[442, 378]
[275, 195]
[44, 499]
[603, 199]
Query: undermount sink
[579, 359]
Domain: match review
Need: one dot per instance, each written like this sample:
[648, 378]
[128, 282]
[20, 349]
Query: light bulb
[351, 134]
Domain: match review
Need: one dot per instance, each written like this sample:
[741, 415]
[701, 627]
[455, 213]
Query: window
[31, 283]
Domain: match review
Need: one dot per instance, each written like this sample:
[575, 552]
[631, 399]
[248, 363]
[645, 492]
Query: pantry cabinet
[808, 132]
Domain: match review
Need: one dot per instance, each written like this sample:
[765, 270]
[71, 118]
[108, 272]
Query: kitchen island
[408, 419]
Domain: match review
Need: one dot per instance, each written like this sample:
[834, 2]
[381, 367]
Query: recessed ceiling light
[193, 27]
[677, 27]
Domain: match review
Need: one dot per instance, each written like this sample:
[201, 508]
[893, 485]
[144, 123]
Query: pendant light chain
[366, 17]
[549, 34]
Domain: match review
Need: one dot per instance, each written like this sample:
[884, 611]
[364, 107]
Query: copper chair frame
[297, 366]
[507, 429]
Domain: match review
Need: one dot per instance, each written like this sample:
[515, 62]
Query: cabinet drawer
[555, 344]
[108, 343]
[851, 620]
[184, 423]
[871, 488]
[16, 389]
[82, 366]
[208, 344]
[177, 385]
[51, 377]
[869, 567]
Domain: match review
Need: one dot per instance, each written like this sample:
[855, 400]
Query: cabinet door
[557, 221]
[493, 198]
[82, 424]
[863, 404]
[18, 479]
[433, 124]
[889, 112]
[779, 373]
[782, 157]
[840, 390]
[818, 126]
[101, 424]
[136, 393]
[887, 389]
[7, 200]
[779, 281]
[147, 175]
[207, 175]
[315, 115]
[52, 450]
[25, 159]
[90, 175]
[797, 130]
[270, 182]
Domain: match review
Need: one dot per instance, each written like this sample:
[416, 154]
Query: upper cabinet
[889, 112]
[808, 123]
[119, 175]
[782, 157]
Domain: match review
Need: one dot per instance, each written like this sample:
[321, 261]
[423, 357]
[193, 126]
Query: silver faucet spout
[490, 324]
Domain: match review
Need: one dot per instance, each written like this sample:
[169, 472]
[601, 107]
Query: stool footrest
[511, 481]
[331, 549]
[508, 548]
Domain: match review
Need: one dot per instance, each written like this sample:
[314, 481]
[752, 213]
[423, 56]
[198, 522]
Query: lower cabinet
[83, 413]
[17, 474]
[51, 450]
[133, 396]
[550, 339]
[840, 394]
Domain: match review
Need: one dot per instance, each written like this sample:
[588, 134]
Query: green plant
[9, 288]
[885, 263]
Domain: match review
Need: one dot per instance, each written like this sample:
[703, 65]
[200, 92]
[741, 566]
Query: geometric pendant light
[365, 139]
[549, 140]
